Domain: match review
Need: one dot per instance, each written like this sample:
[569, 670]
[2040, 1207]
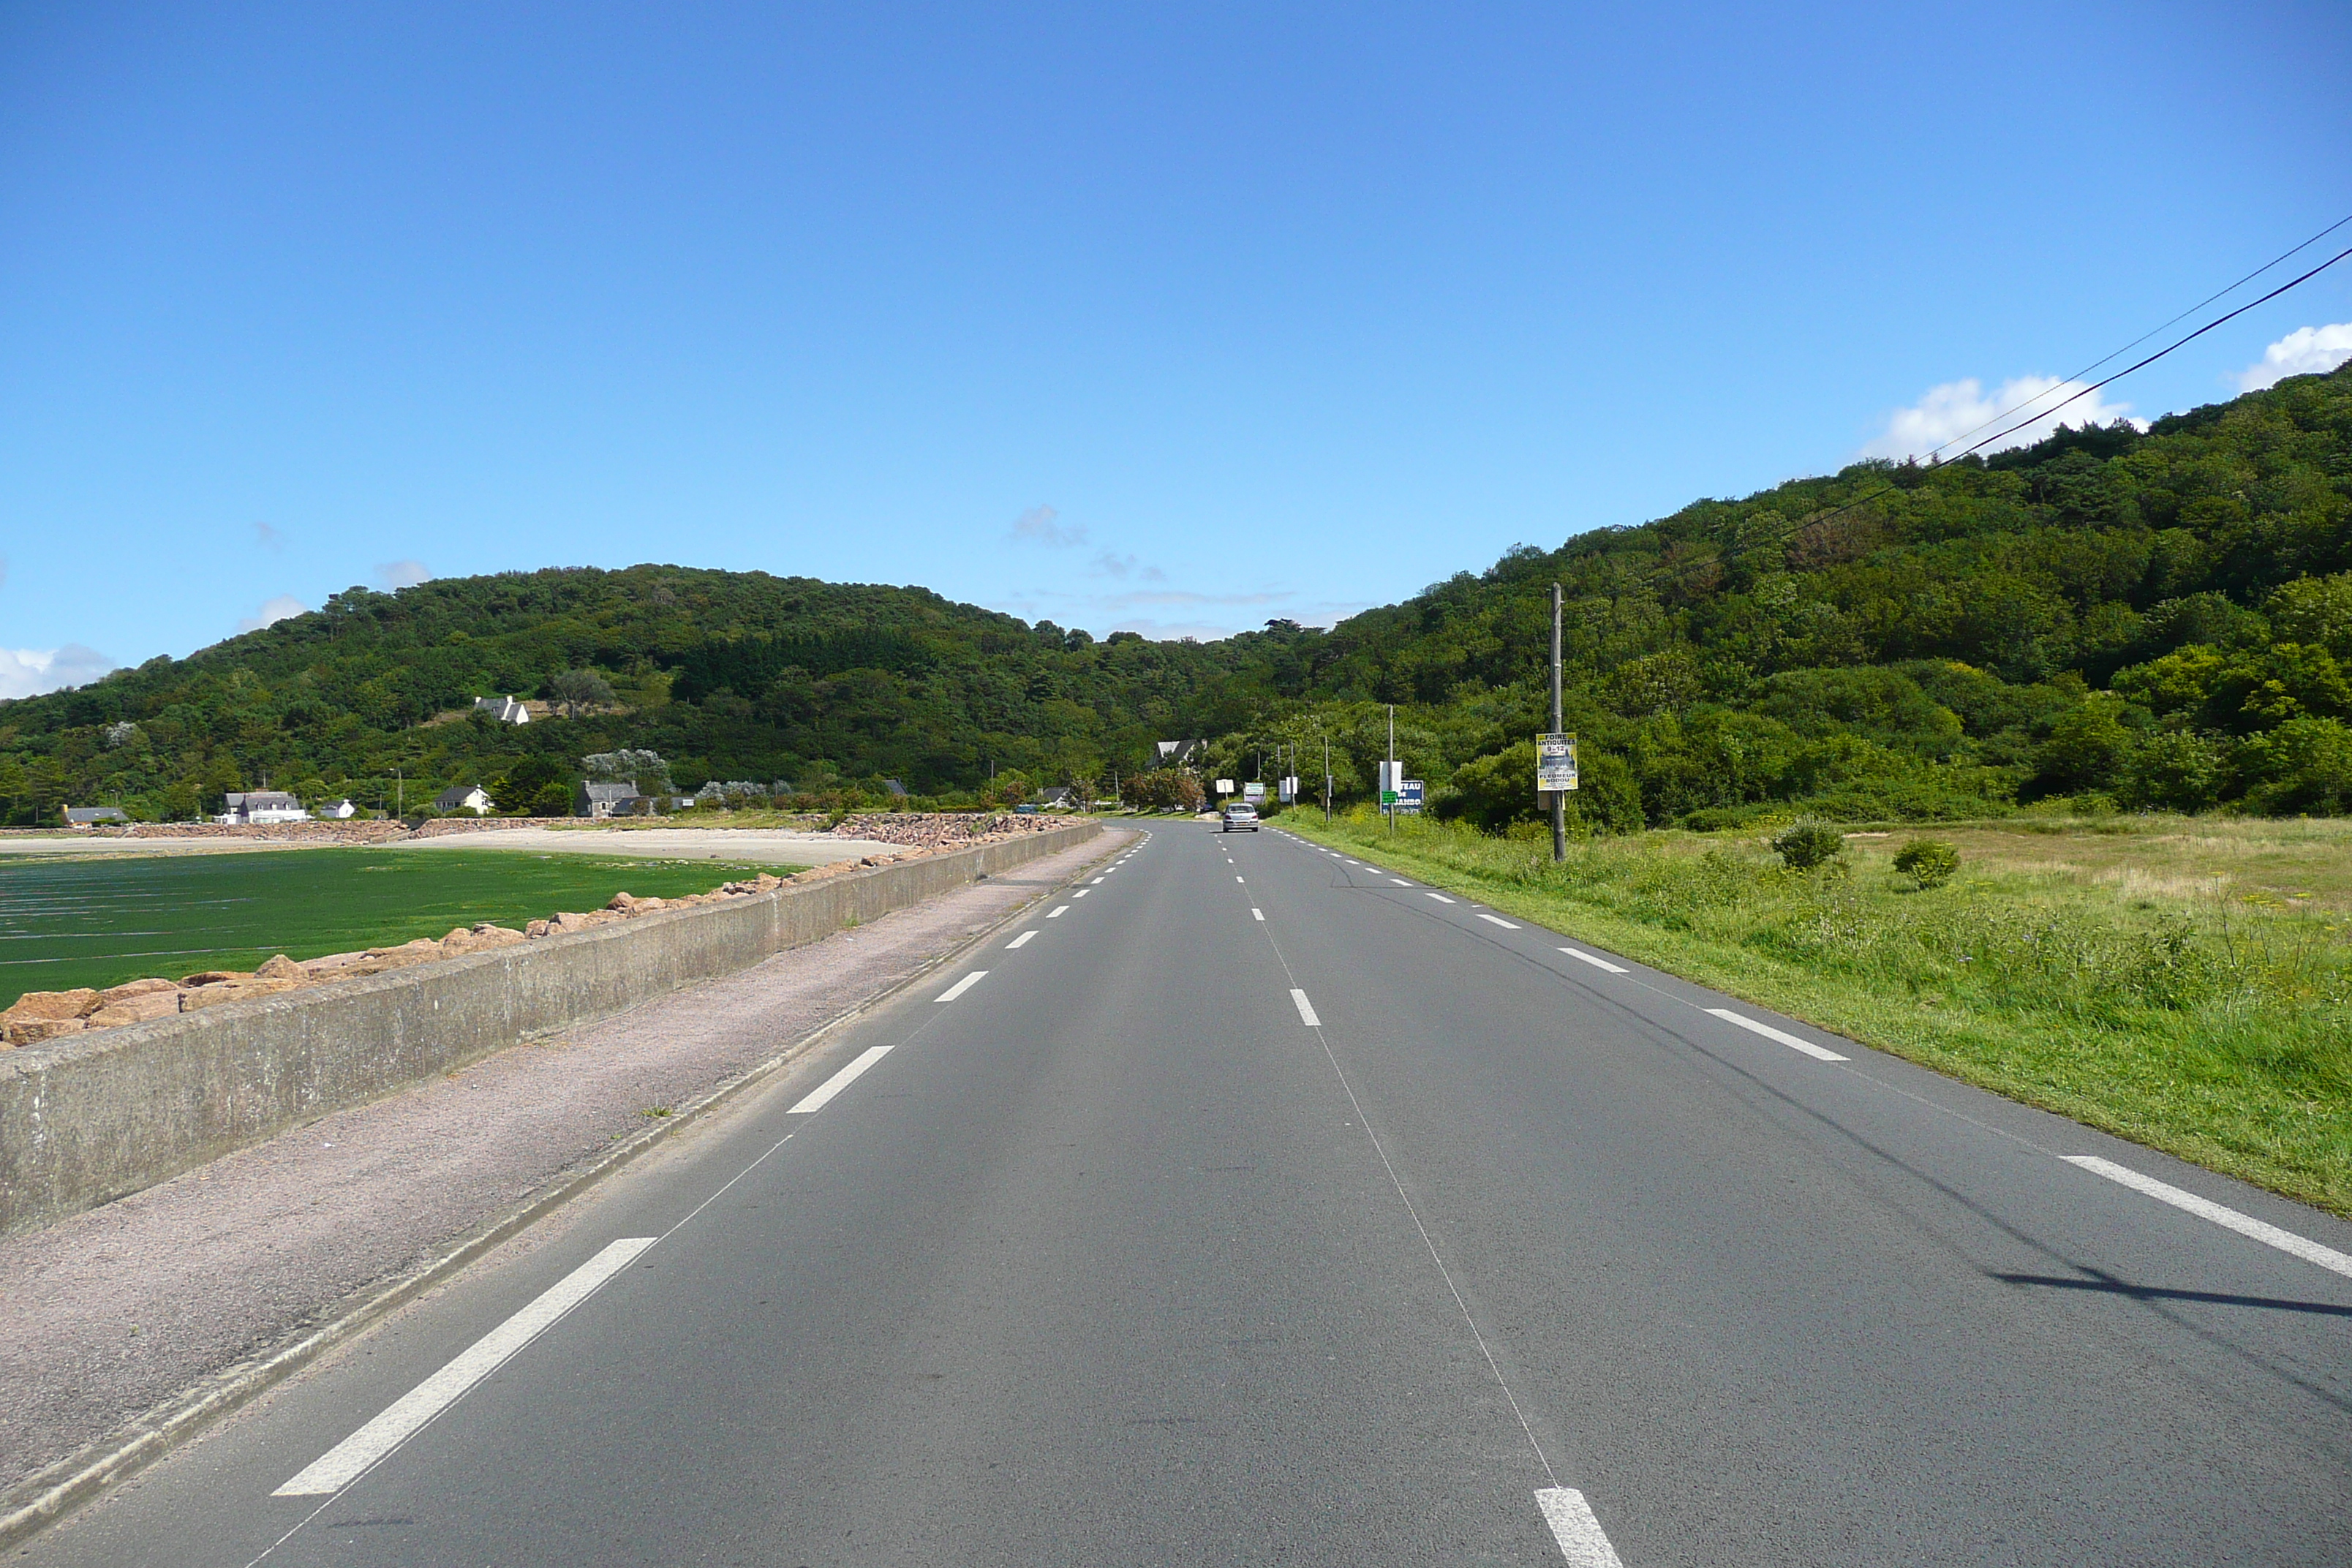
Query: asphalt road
[1262, 1207]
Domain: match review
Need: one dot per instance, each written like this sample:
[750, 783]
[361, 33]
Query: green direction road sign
[1387, 797]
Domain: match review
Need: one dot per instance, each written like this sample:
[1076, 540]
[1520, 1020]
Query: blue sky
[1176, 319]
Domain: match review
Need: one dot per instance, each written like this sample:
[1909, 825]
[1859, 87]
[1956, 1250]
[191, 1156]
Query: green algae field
[102, 922]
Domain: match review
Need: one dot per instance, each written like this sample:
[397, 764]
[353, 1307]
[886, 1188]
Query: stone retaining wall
[87, 1119]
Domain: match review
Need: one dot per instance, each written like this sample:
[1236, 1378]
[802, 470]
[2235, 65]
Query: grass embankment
[2186, 983]
[103, 922]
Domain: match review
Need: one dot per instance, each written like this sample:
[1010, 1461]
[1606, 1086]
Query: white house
[252, 807]
[462, 797]
[339, 810]
[505, 709]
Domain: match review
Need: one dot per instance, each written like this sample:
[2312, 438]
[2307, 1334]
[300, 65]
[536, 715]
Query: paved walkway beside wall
[108, 1313]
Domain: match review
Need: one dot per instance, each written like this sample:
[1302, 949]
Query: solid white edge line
[1817, 1052]
[960, 987]
[2244, 1224]
[1497, 919]
[1596, 962]
[344, 1463]
[1441, 897]
[1306, 1009]
[1020, 941]
[1257, 914]
[839, 1081]
[1573, 1525]
[1057, 911]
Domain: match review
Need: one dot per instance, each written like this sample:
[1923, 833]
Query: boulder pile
[941, 830]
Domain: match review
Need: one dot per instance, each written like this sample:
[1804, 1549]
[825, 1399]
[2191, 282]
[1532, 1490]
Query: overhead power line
[1885, 489]
[2135, 343]
[2162, 352]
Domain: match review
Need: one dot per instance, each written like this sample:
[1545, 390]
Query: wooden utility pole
[1558, 797]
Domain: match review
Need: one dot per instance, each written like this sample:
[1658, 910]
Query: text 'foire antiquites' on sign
[1555, 763]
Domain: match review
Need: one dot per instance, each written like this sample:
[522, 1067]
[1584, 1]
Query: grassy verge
[2186, 985]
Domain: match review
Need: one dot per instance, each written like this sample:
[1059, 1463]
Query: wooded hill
[732, 675]
[2161, 619]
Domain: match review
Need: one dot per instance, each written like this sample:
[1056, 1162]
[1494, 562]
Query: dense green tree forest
[728, 676]
[2110, 617]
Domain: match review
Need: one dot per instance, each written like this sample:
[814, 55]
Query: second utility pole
[1558, 797]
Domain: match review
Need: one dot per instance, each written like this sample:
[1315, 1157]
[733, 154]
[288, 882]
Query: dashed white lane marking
[347, 1460]
[2205, 1209]
[1237, 879]
[1574, 1527]
[840, 1081]
[1769, 1032]
[1400, 881]
[1497, 919]
[1596, 962]
[1096, 883]
[960, 987]
[1082, 892]
[1441, 897]
[1020, 941]
[1057, 911]
[1257, 914]
[1306, 1009]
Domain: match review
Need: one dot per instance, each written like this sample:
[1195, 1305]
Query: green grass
[2144, 993]
[103, 921]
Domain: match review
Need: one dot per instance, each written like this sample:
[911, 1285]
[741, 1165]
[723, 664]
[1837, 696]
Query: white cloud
[29, 671]
[272, 611]
[1043, 525]
[1959, 408]
[2306, 351]
[393, 575]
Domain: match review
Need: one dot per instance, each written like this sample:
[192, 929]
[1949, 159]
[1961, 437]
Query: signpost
[1252, 793]
[1407, 799]
[1224, 786]
[1289, 789]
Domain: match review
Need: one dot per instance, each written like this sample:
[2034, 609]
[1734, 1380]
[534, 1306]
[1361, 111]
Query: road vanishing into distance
[1247, 1204]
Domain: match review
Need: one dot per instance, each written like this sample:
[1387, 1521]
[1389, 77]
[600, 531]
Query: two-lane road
[1249, 1204]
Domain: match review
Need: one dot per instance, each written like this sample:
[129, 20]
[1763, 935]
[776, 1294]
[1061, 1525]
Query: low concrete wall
[89, 1119]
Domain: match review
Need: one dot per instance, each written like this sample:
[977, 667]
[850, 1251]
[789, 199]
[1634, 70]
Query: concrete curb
[54, 1491]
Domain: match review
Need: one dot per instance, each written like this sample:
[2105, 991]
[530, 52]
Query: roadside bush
[1928, 862]
[1808, 845]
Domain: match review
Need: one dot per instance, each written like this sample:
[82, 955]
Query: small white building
[505, 709]
[250, 808]
[339, 810]
[462, 797]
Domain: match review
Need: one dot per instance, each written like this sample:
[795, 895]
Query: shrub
[1930, 862]
[1808, 845]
